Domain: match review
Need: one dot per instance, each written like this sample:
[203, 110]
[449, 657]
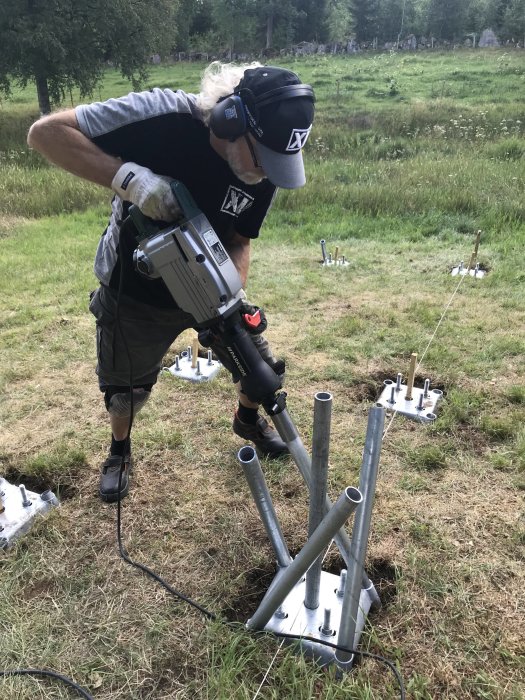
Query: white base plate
[335, 263]
[300, 620]
[395, 399]
[203, 372]
[17, 518]
[473, 272]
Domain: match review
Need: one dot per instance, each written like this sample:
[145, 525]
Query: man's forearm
[58, 138]
[239, 252]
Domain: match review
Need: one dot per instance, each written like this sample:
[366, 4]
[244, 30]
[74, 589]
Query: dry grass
[446, 548]
[447, 545]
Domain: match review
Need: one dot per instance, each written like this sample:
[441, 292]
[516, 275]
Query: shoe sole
[113, 497]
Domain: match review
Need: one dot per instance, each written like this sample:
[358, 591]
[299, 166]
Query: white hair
[218, 80]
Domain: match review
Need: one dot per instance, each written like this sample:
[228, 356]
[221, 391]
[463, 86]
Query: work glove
[254, 318]
[151, 193]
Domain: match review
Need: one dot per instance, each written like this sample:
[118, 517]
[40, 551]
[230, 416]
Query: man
[231, 145]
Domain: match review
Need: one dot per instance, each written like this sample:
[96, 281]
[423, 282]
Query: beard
[249, 177]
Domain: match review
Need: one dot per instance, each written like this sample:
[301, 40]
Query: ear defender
[228, 118]
[234, 114]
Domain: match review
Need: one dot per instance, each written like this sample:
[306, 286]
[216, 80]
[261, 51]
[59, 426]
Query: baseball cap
[279, 111]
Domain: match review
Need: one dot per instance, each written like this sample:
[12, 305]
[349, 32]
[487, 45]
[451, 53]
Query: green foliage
[461, 408]
[516, 394]
[429, 458]
[500, 428]
[402, 203]
[514, 19]
[418, 686]
[63, 44]
[62, 461]
[509, 149]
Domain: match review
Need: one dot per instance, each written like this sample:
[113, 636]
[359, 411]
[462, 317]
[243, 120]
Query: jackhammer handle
[185, 200]
[147, 227]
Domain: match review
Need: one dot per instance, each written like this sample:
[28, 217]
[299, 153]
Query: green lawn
[410, 156]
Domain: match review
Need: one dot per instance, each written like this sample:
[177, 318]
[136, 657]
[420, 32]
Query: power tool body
[200, 276]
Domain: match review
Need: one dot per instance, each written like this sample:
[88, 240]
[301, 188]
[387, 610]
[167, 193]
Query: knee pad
[265, 352]
[118, 403]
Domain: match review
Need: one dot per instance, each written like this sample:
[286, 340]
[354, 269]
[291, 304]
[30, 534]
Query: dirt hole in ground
[383, 574]
[365, 390]
[34, 482]
[255, 585]
[380, 571]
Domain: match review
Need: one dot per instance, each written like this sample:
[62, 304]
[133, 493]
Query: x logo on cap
[298, 139]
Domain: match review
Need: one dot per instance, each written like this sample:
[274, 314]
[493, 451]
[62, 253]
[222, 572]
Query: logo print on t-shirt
[298, 139]
[236, 201]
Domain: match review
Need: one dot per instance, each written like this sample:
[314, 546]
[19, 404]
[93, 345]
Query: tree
[397, 19]
[446, 18]
[312, 20]
[235, 24]
[339, 20]
[366, 19]
[186, 15]
[277, 22]
[514, 21]
[496, 13]
[65, 44]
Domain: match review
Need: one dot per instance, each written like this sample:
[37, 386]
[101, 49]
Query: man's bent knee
[118, 400]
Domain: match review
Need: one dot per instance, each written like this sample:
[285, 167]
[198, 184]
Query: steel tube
[319, 477]
[259, 489]
[332, 522]
[360, 532]
[288, 432]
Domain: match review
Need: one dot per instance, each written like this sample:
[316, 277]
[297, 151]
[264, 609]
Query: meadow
[410, 156]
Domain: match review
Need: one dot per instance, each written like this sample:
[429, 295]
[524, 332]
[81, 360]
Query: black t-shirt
[162, 131]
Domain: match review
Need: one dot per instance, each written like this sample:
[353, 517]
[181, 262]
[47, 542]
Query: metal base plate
[340, 262]
[476, 272]
[302, 621]
[421, 408]
[203, 372]
[16, 517]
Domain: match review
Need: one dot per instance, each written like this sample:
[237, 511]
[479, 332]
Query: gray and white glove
[151, 193]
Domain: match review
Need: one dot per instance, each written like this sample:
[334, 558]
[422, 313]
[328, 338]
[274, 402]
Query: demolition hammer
[199, 274]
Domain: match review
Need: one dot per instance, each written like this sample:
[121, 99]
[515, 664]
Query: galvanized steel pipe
[360, 532]
[288, 432]
[259, 489]
[291, 575]
[319, 476]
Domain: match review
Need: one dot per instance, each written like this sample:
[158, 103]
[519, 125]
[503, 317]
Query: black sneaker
[266, 440]
[109, 478]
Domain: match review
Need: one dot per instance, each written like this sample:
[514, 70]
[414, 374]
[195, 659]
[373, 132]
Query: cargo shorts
[133, 339]
[133, 342]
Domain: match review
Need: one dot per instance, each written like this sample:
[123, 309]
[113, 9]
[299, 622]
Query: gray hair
[218, 80]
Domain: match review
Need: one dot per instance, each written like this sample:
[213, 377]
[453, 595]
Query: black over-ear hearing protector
[234, 114]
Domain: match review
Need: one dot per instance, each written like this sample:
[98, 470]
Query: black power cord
[48, 674]
[149, 572]
[211, 616]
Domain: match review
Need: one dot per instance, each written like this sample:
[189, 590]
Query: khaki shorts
[132, 342]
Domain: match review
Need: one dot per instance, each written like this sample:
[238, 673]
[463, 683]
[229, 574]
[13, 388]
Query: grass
[400, 183]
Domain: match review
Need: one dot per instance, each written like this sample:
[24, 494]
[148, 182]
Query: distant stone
[488, 39]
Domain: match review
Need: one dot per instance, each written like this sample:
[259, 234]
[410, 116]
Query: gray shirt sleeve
[100, 118]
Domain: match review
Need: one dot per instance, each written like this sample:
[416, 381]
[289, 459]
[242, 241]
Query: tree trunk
[269, 30]
[43, 94]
